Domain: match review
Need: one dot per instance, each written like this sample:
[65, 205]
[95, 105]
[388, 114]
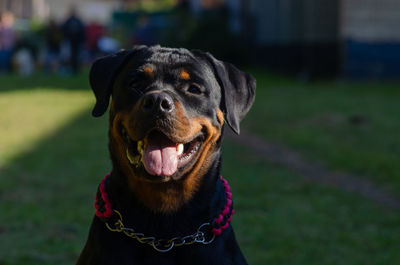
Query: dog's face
[167, 112]
[165, 116]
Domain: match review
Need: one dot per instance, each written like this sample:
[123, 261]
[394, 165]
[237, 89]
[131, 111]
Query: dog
[165, 202]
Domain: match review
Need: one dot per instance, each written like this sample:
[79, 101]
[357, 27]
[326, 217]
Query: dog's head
[167, 111]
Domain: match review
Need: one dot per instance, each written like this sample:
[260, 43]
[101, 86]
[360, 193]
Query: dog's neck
[207, 201]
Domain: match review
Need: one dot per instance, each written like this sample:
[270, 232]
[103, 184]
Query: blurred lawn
[353, 127]
[53, 154]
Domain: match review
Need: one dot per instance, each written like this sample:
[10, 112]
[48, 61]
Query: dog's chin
[161, 158]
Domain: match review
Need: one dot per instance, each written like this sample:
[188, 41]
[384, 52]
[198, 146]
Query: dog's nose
[158, 103]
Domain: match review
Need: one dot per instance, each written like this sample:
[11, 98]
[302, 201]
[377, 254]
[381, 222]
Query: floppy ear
[238, 90]
[102, 76]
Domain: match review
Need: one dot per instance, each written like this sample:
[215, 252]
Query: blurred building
[299, 36]
[310, 38]
[371, 38]
[357, 38]
[294, 36]
[89, 10]
[25, 8]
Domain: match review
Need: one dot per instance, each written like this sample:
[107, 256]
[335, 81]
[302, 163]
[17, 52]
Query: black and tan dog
[164, 201]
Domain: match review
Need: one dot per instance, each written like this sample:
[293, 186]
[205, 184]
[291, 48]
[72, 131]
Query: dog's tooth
[140, 147]
[128, 155]
[133, 160]
[179, 149]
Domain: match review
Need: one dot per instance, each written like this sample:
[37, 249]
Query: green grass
[53, 154]
[283, 219]
[316, 119]
[34, 114]
[47, 188]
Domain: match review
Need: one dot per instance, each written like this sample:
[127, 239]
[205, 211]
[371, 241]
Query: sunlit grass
[29, 116]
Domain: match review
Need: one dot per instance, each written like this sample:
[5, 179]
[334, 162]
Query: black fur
[224, 87]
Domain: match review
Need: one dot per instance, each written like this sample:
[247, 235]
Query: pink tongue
[160, 157]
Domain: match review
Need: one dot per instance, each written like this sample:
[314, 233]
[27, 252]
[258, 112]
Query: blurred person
[74, 37]
[53, 35]
[7, 41]
[94, 33]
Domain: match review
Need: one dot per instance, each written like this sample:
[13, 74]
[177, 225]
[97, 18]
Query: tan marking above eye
[184, 75]
[148, 70]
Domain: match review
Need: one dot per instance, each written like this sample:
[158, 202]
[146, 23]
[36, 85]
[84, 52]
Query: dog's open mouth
[160, 155]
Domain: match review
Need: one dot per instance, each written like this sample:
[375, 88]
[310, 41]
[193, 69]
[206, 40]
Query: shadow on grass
[46, 194]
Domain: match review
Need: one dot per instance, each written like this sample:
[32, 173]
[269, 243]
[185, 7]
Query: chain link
[162, 245]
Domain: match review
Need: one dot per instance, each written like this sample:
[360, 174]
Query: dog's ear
[102, 76]
[238, 90]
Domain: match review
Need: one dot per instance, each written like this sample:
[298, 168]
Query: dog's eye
[193, 89]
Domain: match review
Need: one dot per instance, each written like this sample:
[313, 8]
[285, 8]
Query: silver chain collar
[162, 245]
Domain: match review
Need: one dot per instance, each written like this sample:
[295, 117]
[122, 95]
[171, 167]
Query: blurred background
[308, 38]
[319, 153]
